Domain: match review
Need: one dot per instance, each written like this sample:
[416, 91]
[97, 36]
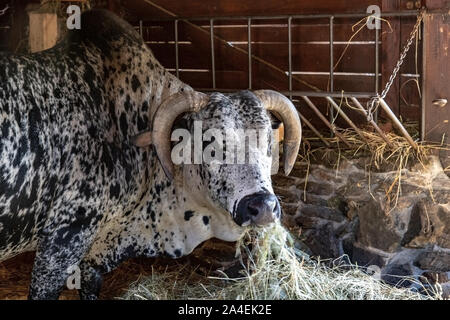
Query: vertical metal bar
[377, 68]
[331, 54]
[249, 38]
[177, 66]
[331, 65]
[213, 63]
[290, 55]
[141, 31]
[425, 58]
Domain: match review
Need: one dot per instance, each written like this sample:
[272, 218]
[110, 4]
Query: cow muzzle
[257, 209]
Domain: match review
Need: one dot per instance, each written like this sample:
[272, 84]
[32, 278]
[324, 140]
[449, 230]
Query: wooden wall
[310, 48]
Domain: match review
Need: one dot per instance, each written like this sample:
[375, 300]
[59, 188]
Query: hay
[274, 269]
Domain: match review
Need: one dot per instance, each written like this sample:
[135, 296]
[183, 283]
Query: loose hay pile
[274, 269]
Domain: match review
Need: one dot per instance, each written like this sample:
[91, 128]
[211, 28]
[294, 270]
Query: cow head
[236, 134]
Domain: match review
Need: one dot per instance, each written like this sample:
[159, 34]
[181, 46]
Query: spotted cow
[85, 176]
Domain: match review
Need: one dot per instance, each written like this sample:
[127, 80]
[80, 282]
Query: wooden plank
[305, 57]
[244, 7]
[436, 79]
[224, 79]
[437, 4]
[313, 57]
[43, 30]
[269, 31]
[410, 100]
[275, 32]
[19, 21]
[390, 53]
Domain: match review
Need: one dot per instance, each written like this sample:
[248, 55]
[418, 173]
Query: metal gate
[304, 97]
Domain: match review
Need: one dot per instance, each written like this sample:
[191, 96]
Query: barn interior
[371, 181]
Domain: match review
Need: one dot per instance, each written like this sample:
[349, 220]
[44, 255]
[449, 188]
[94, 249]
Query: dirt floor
[15, 273]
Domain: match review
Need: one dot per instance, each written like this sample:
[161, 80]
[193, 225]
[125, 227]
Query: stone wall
[347, 211]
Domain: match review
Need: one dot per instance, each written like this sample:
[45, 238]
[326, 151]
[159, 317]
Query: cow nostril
[259, 208]
[262, 205]
[253, 209]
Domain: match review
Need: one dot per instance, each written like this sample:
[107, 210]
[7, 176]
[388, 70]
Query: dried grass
[397, 157]
[274, 269]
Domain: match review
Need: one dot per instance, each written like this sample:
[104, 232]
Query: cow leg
[91, 281]
[52, 266]
[58, 256]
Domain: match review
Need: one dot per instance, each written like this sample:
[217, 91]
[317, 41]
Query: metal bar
[322, 117]
[296, 93]
[346, 118]
[377, 68]
[424, 84]
[177, 66]
[290, 54]
[372, 122]
[213, 63]
[249, 38]
[397, 123]
[329, 94]
[304, 120]
[411, 13]
[141, 32]
[331, 54]
[331, 66]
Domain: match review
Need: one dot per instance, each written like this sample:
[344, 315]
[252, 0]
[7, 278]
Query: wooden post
[43, 30]
[436, 79]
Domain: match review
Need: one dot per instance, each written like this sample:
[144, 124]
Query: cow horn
[283, 107]
[168, 111]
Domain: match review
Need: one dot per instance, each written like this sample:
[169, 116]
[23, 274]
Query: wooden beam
[43, 30]
[198, 8]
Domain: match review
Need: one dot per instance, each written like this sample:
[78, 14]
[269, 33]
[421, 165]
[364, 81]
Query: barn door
[436, 81]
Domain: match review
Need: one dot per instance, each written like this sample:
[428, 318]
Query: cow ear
[143, 139]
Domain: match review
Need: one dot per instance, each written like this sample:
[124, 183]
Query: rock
[397, 275]
[322, 241]
[322, 229]
[364, 256]
[324, 213]
[433, 260]
[345, 211]
[320, 188]
[376, 229]
[446, 290]
[429, 277]
[429, 224]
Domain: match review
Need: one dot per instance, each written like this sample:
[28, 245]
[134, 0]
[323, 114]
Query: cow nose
[258, 208]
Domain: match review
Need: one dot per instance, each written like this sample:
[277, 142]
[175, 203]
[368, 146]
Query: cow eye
[275, 122]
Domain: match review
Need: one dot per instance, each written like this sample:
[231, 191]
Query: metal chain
[3, 11]
[371, 108]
